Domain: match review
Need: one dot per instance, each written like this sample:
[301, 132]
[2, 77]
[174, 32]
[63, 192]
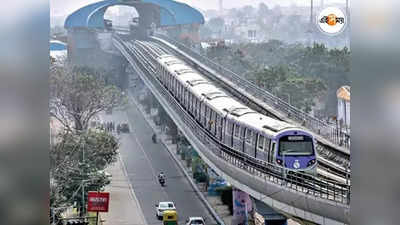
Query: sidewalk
[124, 208]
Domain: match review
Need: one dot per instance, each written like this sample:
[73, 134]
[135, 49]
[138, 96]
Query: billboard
[242, 205]
[98, 201]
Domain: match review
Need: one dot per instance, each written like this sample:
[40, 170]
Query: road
[144, 160]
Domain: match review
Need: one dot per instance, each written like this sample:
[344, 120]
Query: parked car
[163, 206]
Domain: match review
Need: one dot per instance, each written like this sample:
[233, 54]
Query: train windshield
[296, 145]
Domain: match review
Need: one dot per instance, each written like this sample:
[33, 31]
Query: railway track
[327, 168]
[330, 151]
[317, 186]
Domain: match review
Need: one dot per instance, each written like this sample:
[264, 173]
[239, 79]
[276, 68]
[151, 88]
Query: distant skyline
[60, 9]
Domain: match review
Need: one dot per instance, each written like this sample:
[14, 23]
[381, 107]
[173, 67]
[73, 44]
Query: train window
[230, 126]
[260, 142]
[242, 133]
[202, 109]
[181, 93]
[194, 104]
[179, 90]
[236, 132]
[195, 108]
[185, 95]
[249, 135]
[173, 86]
[267, 143]
[190, 101]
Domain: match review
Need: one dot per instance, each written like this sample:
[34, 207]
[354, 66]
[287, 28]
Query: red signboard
[98, 201]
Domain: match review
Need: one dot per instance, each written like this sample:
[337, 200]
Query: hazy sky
[60, 8]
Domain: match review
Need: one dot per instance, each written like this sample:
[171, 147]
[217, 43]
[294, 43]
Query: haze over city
[59, 10]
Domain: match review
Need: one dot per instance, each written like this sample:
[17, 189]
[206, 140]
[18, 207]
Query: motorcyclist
[154, 138]
[161, 176]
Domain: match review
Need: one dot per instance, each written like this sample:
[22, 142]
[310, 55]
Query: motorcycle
[162, 181]
[154, 138]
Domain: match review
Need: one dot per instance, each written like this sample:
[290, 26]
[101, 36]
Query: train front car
[295, 151]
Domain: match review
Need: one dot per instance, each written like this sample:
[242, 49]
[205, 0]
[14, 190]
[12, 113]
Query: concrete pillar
[84, 50]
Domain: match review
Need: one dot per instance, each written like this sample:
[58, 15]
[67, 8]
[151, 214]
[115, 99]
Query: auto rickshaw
[170, 217]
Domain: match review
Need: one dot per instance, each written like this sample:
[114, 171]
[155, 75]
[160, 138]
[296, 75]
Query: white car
[162, 206]
[195, 221]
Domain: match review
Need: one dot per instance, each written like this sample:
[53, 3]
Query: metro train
[234, 124]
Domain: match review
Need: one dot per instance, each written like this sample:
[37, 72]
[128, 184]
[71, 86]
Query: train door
[248, 145]
[228, 134]
[182, 91]
[242, 139]
[190, 103]
[203, 114]
[198, 110]
[213, 122]
[194, 102]
[262, 147]
[207, 117]
[186, 98]
[271, 157]
[219, 124]
[236, 143]
[174, 84]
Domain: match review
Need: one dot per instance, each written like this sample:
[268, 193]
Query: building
[343, 96]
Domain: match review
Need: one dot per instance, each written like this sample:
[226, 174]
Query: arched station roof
[171, 13]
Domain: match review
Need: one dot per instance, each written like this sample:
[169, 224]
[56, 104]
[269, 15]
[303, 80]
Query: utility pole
[311, 13]
[82, 182]
[310, 30]
[220, 8]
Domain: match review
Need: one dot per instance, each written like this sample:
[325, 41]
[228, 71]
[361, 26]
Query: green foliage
[77, 157]
[198, 168]
[77, 94]
[307, 74]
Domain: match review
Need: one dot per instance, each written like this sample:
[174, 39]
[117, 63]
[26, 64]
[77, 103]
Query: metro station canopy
[171, 13]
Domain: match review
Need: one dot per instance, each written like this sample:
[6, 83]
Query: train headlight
[279, 161]
[296, 164]
[311, 162]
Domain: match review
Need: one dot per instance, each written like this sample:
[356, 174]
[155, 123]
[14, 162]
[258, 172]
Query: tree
[285, 82]
[80, 159]
[77, 94]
